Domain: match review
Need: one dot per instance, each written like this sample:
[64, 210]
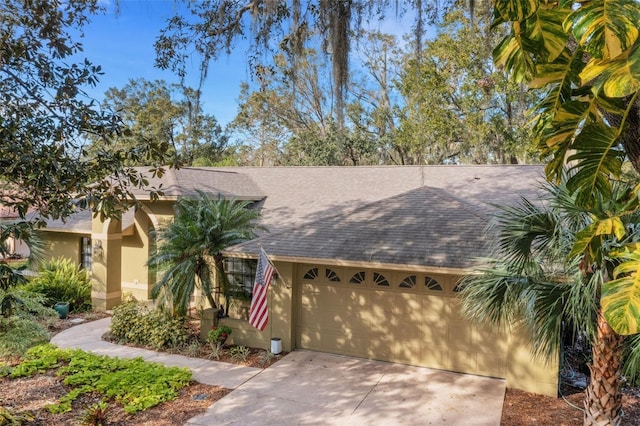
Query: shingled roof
[422, 216]
[422, 227]
[185, 181]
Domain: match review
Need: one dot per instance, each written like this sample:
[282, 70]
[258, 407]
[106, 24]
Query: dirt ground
[28, 396]
[526, 409]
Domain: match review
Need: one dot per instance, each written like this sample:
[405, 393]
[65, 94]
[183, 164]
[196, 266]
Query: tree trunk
[603, 400]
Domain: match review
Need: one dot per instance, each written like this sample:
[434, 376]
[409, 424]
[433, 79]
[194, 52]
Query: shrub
[60, 280]
[18, 334]
[240, 353]
[23, 320]
[219, 334]
[133, 322]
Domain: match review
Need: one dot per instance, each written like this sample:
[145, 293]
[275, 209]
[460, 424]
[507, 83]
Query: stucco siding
[60, 244]
[135, 253]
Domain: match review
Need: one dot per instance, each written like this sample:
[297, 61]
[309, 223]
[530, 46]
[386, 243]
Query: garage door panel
[356, 298]
[406, 304]
[356, 323]
[377, 315]
[434, 307]
[433, 357]
[460, 335]
[407, 351]
[489, 341]
[462, 361]
[381, 302]
[437, 335]
[381, 349]
[399, 325]
[309, 339]
[408, 330]
[310, 301]
[309, 319]
[493, 365]
[357, 346]
[333, 342]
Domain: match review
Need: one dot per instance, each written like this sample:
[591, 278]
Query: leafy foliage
[134, 322]
[61, 280]
[583, 53]
[240, 353]
[96, 415]
[216, 334]
[535, 274]
[458, 107]
[190, 248]
[18, 334]
[162, 113]
[47, 116]
[212, 28]
[134, 383]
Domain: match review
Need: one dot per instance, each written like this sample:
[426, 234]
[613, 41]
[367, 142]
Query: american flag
[258, 313]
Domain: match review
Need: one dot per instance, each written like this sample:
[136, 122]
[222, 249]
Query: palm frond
[632, 359]
[189, 247]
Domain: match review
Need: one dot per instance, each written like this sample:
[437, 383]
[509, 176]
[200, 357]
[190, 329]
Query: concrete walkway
[88, 337]
[308, 387]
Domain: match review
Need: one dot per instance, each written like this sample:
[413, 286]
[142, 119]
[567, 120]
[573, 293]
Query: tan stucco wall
[135, 253]
[280, 315]
[60, 244]
[106, 292]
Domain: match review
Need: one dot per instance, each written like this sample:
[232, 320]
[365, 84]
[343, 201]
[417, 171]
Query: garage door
[393, 316]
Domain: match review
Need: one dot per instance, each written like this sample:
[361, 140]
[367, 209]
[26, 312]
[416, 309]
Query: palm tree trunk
[603, 400]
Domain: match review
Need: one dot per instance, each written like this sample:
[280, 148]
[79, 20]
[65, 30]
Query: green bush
[18, 334]
[60, 280]
[133, 322]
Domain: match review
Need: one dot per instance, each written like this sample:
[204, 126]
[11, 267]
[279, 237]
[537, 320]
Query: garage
[407, 317]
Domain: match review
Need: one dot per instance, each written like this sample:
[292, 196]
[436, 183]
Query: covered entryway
[406, 317]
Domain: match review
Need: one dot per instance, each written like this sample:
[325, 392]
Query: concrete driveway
[317, 388]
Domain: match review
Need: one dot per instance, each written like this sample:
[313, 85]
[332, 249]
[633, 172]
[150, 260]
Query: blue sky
[122, 43]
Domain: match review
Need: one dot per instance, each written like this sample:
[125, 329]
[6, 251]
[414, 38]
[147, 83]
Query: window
[432, 284]
[332, 275]
[358, 278]
[85, 253]
[311, 274]
[379, 279]
[241, 274]
[408, 282]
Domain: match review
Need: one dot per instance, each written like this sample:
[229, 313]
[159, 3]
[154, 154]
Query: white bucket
[276, 346]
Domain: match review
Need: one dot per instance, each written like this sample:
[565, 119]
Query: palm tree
[191, 245]
[548, 265]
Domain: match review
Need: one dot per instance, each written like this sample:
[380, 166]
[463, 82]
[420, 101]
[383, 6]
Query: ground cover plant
[134, 383]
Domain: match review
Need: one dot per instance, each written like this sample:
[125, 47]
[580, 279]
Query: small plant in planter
[218, 335]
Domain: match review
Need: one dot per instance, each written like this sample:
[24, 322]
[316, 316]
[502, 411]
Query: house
[368, 259]
[14, 248]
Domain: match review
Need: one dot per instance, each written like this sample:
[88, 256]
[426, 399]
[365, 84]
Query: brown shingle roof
[426, 216]
[297, 195]
[422, 227]
[187, 180]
